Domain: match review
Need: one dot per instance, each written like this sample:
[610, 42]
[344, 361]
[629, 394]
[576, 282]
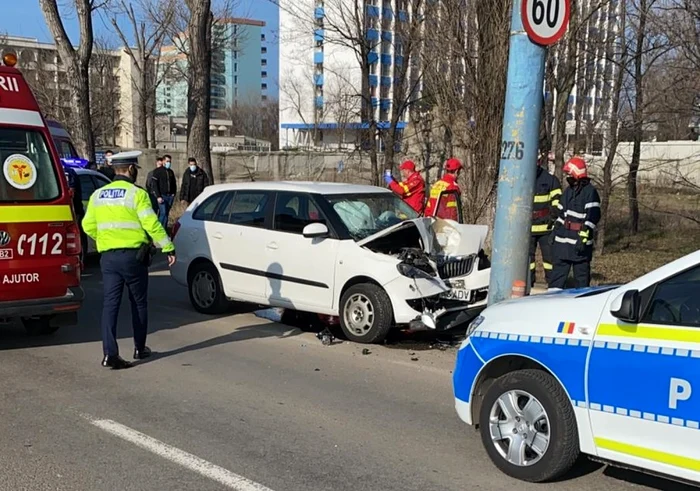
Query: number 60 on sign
[545, 21]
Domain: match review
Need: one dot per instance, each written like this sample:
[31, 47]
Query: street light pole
[517, 172]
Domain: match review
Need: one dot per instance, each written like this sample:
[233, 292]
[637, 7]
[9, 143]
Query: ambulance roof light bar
[9, 59]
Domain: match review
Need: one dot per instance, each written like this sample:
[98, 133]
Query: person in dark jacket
[194, 180]
[163, 185]
[77, 190]
[106, 169]
[544, 212]
[574, 231]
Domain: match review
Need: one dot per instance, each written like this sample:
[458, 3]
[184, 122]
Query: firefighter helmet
[453, 165]
[408, 165]
[576, 168]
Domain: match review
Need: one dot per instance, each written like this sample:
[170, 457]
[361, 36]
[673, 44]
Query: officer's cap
[126, 158]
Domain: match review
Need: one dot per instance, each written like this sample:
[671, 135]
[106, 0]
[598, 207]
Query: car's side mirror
[315, 231]
[626, 307]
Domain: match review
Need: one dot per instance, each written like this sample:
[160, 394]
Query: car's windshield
[28, 174]
[367, 214]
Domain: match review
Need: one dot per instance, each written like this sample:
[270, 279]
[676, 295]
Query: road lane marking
[177, 456]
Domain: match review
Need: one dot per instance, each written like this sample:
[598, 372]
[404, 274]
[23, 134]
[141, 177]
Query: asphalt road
[238, 402]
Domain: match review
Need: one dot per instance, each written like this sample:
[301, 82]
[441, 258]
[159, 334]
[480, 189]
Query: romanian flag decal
[566, 327]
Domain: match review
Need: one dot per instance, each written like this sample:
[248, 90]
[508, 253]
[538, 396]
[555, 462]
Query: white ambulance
[611, 372]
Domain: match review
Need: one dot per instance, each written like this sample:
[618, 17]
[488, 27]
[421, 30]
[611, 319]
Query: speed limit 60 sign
[545, 21]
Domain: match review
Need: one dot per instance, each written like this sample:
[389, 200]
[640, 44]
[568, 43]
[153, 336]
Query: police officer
[574, 230]
[447, 208]
[411, 188]
[121, 220]
[544, 213]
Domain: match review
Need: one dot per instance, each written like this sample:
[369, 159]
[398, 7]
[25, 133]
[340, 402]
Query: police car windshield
[367, 214]
[28, 173]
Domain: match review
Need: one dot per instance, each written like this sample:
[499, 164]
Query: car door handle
[272, 245]
[218, 235]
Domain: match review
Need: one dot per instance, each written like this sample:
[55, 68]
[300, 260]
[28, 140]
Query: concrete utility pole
[545, 21]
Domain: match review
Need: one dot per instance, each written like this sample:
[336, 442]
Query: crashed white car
[356, 252]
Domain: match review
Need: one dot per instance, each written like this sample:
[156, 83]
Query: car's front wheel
[39, 326]
[366, 314]
[528, 426]
[206, 292]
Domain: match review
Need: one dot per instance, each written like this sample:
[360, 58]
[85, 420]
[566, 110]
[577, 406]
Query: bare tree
[78, 62]
[104, 93]
[145, 55]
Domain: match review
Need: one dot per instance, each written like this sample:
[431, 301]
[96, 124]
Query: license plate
[5, 254]
[457, 294]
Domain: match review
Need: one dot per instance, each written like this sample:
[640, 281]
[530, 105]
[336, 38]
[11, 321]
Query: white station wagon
[356, 252]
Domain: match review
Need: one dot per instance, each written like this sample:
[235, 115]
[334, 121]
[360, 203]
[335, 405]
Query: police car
[611, 372]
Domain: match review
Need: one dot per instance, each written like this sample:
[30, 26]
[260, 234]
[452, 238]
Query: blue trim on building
[387, 13]
[319, 13]
[386, 82]
[372, 11]
[386, 36]
[373, 80]
[319, 101]
[398, 60]
[372, 57]
[318, 57]
[318, 35]
[385, 104]
[318, 79]
[386, 59]
[403, 16]
[374, 101]
[382, 125]
[372, 35]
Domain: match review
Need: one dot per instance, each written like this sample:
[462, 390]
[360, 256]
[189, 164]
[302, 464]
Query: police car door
[644, 376]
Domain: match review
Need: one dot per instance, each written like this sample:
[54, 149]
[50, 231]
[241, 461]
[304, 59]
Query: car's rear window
[28, 173]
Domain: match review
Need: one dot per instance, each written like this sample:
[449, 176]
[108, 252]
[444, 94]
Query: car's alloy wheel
[528, 426]
[206, 292]
[366, 314]
[204, 289]
[359, 314]
[519, 428]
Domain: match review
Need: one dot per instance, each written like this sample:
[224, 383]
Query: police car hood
[438, 236]
[582, 306]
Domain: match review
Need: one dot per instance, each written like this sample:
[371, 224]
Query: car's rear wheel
[366, 314]
[39, 326]
[528, 426]
[205, 289]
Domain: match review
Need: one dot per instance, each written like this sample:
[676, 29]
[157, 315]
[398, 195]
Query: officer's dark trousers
[546, 250]
[560, 273]
[121, 268]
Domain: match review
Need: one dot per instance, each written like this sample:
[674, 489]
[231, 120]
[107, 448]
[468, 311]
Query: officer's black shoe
[115, 363]
[140, 354]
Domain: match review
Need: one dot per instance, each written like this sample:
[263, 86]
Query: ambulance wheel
[366, 314]
[528, 426]
[39, 326]
[205, 288]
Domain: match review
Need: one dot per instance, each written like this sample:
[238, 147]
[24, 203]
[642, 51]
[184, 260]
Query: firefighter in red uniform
[447, 184]
[411, 188]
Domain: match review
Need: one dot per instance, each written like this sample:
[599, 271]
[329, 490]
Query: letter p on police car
[605, 371]
[39, 238]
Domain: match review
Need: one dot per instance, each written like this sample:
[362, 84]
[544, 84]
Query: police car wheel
[39, 326]
[205, 289]
[528, 426]
[366, 314]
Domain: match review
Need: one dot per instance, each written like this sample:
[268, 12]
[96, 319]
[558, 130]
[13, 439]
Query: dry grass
[664, 235]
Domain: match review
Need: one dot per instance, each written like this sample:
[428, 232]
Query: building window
[264, 86]
[235, 55]
[264, 98]
[263, 62]
[235, 79]
[263, 50]
[262, 37]
[235, 67]
[264, 74]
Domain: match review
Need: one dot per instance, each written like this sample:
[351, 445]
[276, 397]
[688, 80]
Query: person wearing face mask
[574, 230]
[194, 180]
[120, 219]
[162, 184]
[107, 169]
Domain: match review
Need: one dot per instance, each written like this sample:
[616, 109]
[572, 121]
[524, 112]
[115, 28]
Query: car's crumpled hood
[440, 236]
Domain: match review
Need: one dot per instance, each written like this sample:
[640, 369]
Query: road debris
[326, 337]
[366, 351]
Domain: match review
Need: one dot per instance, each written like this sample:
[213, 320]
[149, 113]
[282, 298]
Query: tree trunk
[198, 83]
[142, 114]
[638, 119]
[76, 62]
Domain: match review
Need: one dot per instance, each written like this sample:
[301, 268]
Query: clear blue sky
[24, 18]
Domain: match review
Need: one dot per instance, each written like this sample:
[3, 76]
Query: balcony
[373, 80]
[386, 59]
[319, 13]
[386, 81]
[318, 57]
[372, 11]
[318, 80]
[318, 35]
[372, 58]
[372, 35]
